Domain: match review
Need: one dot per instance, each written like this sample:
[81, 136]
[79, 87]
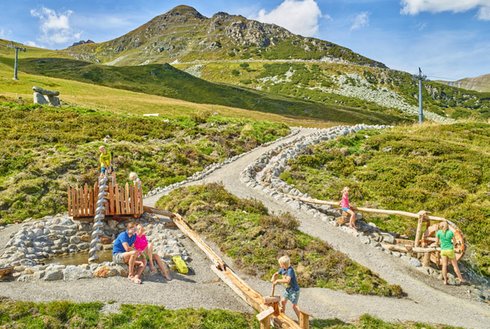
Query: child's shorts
[104, 169]
[346, 209]
[291, 295]
[448, 253]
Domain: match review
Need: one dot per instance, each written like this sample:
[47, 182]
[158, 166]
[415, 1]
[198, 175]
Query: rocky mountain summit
[81, 42]
[183, 34]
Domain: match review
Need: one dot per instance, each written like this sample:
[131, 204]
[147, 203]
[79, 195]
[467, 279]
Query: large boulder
[73, 272]
[40, 95]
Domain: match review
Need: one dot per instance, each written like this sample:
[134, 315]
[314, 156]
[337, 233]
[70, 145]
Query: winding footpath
[427, 301]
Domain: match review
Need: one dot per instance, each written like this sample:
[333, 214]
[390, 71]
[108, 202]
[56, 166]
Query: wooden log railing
[424, 242]
[121, 200]
[228, 276]
[369, 210]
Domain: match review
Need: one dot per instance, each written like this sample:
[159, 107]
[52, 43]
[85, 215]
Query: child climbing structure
[121, 201]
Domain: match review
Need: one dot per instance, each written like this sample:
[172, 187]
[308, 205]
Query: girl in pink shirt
[143, 247]
[344, 204]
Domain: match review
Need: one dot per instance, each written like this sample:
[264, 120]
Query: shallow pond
[79, 258]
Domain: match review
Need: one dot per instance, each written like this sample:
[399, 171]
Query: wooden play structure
[121, 201]
[268, 307]
[423, 246]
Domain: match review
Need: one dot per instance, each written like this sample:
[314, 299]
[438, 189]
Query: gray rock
[415, 262]
[39, 98]
[53, 275]
[72, 272]
[39, 274]
[25, 278]
[388, 238]
[364, 239]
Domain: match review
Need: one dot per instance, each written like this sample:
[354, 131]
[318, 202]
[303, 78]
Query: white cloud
[55, 27]
[298, 16]
[32, 44]
[361, 20]
[484, 13]
[413, 7]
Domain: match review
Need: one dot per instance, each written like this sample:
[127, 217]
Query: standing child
[289, 279]
[344, 204]
[105, 160]
[445, 236]
[135, 179]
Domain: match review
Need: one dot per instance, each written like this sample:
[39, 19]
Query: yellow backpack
[180, 265]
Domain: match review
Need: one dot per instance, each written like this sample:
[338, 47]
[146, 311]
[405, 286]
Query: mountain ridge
[480, 83]
[184, 34]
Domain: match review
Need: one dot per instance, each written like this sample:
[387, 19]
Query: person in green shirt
[444, 237]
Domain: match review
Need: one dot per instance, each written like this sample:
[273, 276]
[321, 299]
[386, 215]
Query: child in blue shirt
[289, 279]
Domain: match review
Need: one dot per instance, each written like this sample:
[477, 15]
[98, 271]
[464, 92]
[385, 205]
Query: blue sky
[449, 39]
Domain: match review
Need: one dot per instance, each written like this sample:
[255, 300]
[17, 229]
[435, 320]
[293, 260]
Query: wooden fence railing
[121, 200]
[424, 242]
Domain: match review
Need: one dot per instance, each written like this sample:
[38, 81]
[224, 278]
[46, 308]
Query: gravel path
[192, 291]
[428, 300]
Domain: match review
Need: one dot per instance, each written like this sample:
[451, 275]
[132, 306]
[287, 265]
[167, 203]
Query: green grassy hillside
[45, 149]
[31, 52]
[245, 231]
[370, 88]
[122, 101]
[480, 83]
[443, 169]
[167, 81]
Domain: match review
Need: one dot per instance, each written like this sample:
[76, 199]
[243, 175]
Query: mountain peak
[184, 10]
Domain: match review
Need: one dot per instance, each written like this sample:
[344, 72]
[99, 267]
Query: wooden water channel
[267, 306]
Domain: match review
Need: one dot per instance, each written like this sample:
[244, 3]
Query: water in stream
[79, 258]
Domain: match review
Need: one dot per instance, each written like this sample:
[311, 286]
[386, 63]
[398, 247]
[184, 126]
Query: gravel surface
[200, 289]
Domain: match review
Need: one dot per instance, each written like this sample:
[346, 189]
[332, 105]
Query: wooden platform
[121, 201]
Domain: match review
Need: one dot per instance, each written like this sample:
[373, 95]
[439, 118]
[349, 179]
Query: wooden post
[418, 233]
[126, 196]
[304, 320]
[426, 258]
[264, 318]
[118, 204]
[86, 203]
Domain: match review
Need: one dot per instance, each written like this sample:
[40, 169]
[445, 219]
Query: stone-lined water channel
[56, 248]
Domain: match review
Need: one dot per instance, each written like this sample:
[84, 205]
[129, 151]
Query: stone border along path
[427, 301]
